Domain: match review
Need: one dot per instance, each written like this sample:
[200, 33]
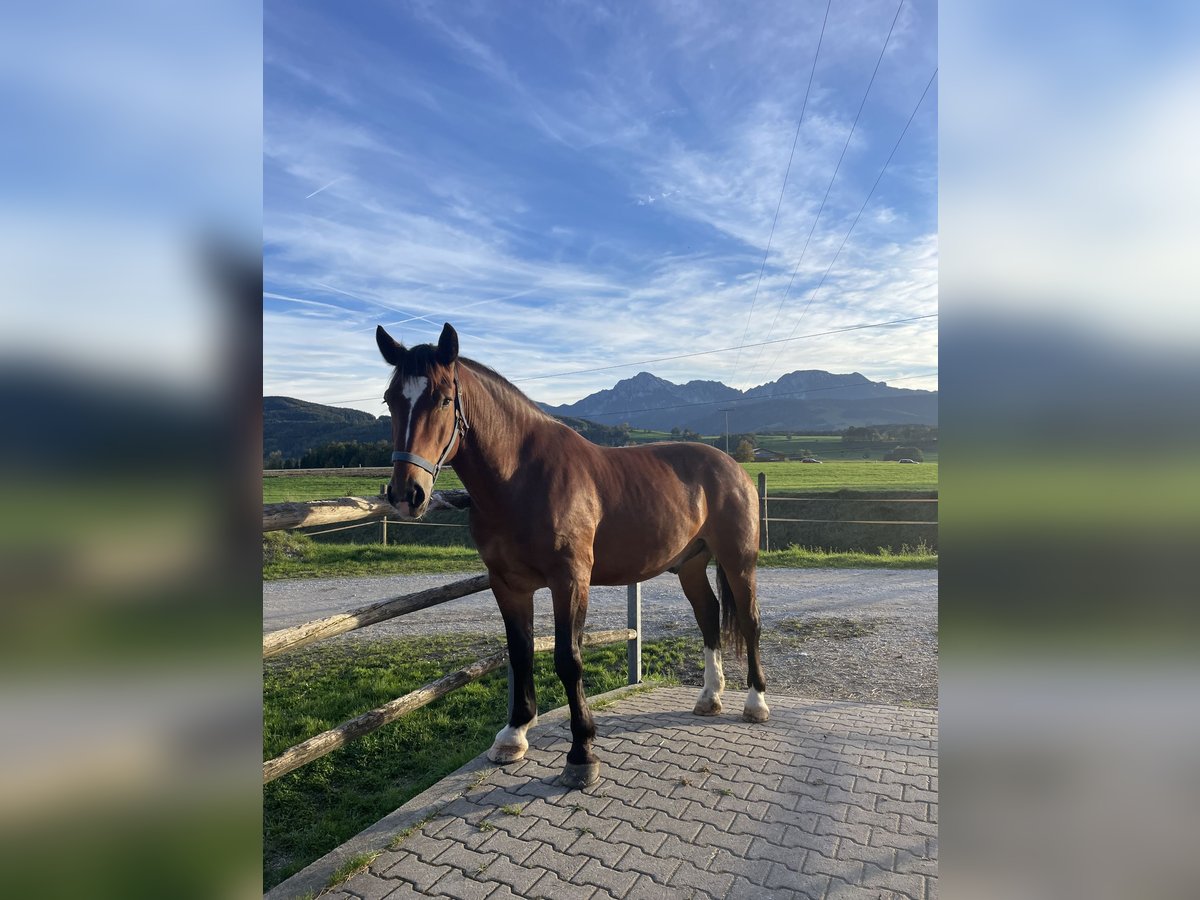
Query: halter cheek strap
[460, 426]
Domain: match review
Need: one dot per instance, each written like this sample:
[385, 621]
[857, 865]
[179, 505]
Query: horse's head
[427, 416]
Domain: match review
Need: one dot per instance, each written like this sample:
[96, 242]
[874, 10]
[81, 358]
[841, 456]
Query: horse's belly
[626, 574]
[623, 556]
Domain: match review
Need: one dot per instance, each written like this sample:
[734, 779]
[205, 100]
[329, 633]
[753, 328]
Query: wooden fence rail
[317, 630]
[280, 516]
[311, 513]
[328, 741]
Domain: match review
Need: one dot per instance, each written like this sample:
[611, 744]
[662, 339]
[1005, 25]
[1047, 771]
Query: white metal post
[634, 618]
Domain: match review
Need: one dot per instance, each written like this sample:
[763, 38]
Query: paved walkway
[827, 799]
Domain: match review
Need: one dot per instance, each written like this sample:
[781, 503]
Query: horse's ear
[392, 352]
[447, 349]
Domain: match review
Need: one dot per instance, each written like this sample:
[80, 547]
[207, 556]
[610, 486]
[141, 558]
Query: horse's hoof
[510, 744]
[756, 709]
[707, 706]
[504, 755]
[580, 775]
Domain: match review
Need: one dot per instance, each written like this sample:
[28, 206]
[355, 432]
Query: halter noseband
[460, 425]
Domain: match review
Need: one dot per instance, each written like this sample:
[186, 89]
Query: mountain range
[810, 400]
[799, 401]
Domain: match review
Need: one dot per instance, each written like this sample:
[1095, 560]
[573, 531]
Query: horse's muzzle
[413, 502]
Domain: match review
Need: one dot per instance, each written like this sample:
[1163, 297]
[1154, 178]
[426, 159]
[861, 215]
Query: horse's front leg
[517, 609]
[570, 610]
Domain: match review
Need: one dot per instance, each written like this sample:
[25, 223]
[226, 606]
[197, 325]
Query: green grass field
[782, 477]
[291, 555]
[282, 488]
[836, 475]
[311, 811]
[818, 443]
[642, 436]
[825, 446]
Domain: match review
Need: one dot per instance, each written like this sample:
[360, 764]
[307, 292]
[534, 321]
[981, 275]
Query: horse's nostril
[416, 496]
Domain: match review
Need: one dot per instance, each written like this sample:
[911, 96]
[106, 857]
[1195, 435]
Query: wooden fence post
[633, 649]
[764, 542]
[384, 531]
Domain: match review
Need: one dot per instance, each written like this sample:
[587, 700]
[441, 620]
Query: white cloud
[414, 236]
[1071, 195]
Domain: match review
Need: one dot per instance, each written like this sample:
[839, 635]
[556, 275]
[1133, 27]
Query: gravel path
[849, 634]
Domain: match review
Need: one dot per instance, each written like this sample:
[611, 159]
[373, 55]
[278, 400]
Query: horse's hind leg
[517, 609]
[693, 577]
[737, 585]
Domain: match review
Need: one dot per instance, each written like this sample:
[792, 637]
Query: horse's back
[689, 464]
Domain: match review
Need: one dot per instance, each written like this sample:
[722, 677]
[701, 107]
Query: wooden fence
[314, 513]
[872, 521]
[292, 515]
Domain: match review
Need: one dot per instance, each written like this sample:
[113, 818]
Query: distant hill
[294, 426]
[799, 401]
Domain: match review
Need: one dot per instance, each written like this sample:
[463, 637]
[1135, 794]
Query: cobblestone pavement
[826, 800]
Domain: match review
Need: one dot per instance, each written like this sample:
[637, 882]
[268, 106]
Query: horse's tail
[729, 618]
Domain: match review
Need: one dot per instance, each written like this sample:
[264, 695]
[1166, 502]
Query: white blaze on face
[412, 391]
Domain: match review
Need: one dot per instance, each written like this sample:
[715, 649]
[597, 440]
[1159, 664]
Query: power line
[858, 216]
[783, 187]
[837, 168]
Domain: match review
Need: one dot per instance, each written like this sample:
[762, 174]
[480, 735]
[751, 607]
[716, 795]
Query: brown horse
[550, 509]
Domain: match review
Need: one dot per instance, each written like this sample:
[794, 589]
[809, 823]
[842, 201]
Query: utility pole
[726, 410]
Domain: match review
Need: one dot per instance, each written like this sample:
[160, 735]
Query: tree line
[890, 434]
[352, 454]
[904, 441]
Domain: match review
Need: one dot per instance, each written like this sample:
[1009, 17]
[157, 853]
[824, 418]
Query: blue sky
[579, 185]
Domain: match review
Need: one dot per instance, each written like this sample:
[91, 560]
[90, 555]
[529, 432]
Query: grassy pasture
[819, 443]
[283, 488]
[314, 809]
[836, 475]
[782, 477]
[291, 555]
[826, 446]
[644, 436]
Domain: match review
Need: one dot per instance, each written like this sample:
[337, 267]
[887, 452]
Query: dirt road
[853, 634]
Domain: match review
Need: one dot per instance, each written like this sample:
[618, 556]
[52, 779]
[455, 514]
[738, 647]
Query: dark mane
[500, 383]
[418, 360]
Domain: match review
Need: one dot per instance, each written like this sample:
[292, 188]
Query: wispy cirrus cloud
[507, 188]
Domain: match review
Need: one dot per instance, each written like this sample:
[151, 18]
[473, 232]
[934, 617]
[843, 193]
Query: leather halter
[460, 427]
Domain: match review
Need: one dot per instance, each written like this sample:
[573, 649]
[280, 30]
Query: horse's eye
[445, 401]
